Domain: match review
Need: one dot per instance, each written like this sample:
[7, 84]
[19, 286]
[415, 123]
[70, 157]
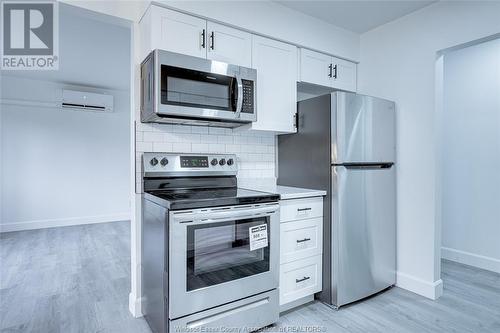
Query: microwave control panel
[248, 96]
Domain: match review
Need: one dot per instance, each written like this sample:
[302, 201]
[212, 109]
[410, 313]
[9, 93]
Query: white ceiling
[354, 15]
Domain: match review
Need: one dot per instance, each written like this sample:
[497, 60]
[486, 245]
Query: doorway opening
[66, 170]
[468, 127]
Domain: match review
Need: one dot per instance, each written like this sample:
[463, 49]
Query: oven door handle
[232, 214]
[239, 99]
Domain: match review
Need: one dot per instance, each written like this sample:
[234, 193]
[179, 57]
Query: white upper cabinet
[344, 76]
[169, 30]
[315, 67]
[276, 65]
[325, 70]
[229, 45]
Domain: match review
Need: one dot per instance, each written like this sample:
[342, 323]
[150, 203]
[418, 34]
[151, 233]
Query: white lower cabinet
[300, 278]
[301, 239]
[301, 250]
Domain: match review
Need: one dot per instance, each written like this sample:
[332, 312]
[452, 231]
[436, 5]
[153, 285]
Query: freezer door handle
[373, 166]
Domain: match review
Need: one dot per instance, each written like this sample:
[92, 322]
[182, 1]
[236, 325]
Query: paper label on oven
[258, 237]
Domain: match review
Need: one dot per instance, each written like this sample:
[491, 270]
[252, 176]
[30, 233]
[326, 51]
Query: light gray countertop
[288, 192]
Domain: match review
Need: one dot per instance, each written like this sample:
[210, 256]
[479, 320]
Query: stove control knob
[164, 161]
[214, 162]
[222, 161]
[153, 161]
[230, 162]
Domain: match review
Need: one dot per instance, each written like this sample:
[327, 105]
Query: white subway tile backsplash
[153, 137]
[255, 151]
[199, 129]
[144, 146]
[161, 147]
[181, 147]
[241, 139]
[192, 138]
[217, 130]
[181, 129]
[144, 127]
[208, 138]
[268, 140]
[216, 148]
[173, 137]
[232, 149]
[224, 139]
[164, 128]
[199, 147]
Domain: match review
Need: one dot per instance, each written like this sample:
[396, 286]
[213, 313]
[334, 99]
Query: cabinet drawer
[300, 278]
[300, 209]
[301, 239]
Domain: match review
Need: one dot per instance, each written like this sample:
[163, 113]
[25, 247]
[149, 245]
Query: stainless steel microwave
[181, 89]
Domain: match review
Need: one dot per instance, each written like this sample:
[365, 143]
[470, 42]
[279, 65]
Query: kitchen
[283, 63]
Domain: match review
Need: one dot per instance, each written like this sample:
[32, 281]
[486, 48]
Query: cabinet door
[315, 67]
[300, 278]
[229, 45]
[177, 32]
[345, 78]
[276, 65]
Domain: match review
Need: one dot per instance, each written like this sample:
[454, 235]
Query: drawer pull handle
[303, 240]
[303, 279]
[303, 209]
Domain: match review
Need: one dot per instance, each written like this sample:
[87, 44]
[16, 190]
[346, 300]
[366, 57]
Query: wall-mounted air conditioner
[86, 101]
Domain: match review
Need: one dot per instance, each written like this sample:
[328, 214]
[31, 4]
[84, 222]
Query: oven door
[213, 259]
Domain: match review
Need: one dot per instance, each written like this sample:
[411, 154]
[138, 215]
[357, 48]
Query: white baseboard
[40, 224]
[296, 303]
[471, 259]
[432, 290]
[135, 305]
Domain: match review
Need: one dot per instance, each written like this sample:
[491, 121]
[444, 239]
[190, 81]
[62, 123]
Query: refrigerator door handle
[373, 166]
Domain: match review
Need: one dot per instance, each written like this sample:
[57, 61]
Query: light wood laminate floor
[77, 279]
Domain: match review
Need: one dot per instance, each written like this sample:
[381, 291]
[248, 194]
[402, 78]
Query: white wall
[471, 156]
[398, 62]
[62, 167]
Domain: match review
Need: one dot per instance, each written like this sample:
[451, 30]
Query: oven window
[185, 87]
[220, 252]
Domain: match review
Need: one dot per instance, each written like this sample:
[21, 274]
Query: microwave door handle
[239, 98]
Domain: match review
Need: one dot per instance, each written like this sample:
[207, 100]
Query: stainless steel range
[210, 249]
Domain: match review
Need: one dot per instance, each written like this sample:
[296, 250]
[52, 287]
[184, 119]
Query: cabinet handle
[303, 240]
[303, 279]
[303, 209]
[330, 67]
[335, 71]
[212, 40]
[203, 39]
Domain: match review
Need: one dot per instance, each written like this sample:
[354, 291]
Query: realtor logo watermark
[30, 35]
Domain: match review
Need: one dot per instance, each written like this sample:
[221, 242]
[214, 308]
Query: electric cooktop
[200, 198]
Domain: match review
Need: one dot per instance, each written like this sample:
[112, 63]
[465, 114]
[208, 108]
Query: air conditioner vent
[86, 101]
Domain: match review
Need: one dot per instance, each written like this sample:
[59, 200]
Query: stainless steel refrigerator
[345, 144]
